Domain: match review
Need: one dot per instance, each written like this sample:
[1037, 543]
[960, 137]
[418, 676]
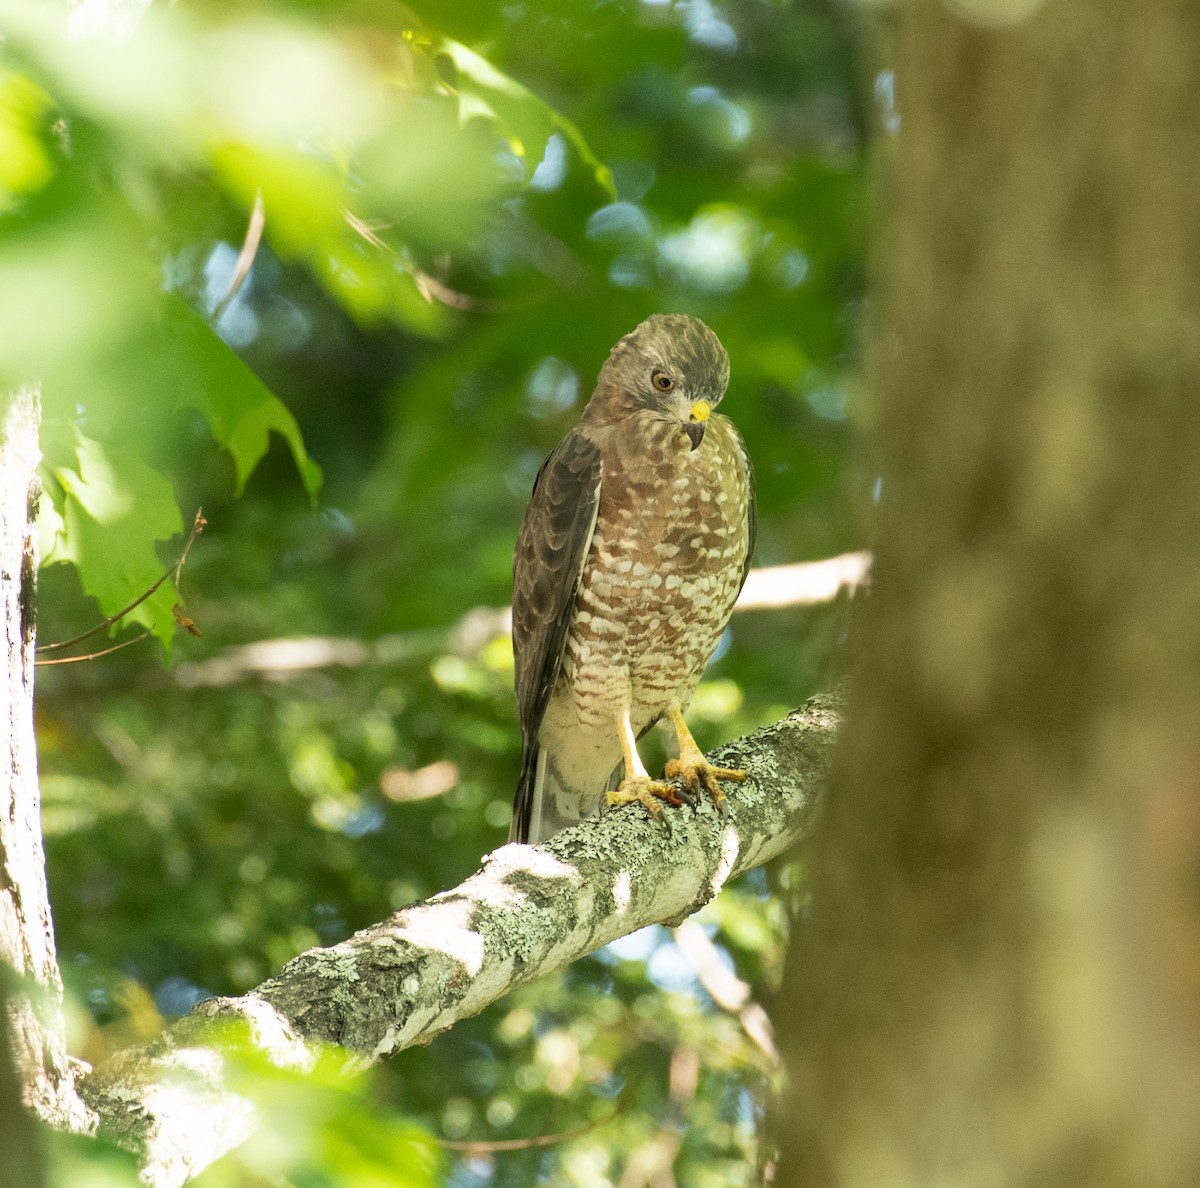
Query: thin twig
[727, 990]
[245, 260]
[174, 569]
[125, 643]
[428, 285]
[485, 1146]
[363, 228]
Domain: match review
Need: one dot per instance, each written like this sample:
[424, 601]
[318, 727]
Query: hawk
[631, 554]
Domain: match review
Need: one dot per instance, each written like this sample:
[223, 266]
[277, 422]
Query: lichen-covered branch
[528, 911]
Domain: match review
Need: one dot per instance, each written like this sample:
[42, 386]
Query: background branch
[527, 911]
[804, 583]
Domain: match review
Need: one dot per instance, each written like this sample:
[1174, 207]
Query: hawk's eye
[662, 381]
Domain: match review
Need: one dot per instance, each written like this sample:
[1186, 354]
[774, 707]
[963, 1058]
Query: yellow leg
[692, 768]
[637, 786]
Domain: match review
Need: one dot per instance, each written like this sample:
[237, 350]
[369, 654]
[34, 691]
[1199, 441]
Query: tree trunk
[34, 996]
[998, 981]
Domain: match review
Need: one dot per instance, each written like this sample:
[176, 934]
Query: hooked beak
[695, 426]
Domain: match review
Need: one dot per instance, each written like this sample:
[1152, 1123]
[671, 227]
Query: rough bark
[998, 980]
[34, 996]
[24, 1160]
[528, 911]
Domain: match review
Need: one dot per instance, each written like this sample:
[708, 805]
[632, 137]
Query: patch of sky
[637, 946]
[619, 222]
[219, 271]
[631, 271]
[512, 167]
[176, 995]
[790, 271]
[670, 969]
[551, 387]
[369, 818]
[723, 646]
[553, 166]
[328, 923]
[238, 323]
[633, 179]
[706, 27]
[712, 252]
[666, 965]
[828, 401]
[885, 101]
[725, 121]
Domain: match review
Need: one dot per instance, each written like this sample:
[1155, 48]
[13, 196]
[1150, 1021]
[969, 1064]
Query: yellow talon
[696, 772]
[645, 791]
[693, 769]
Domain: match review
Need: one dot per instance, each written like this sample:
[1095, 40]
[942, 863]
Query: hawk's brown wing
[751, 501]
[551, 549]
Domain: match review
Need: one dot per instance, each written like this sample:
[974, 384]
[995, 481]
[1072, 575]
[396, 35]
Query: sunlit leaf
[317, 1127]
[307, 219]
[524, 119]
[24, 162]
[66, 289]
[114, 509]
[79, 1161]
[432, 182]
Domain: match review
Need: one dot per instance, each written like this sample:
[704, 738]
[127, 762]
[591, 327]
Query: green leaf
[172, 361]
[68, 285]
[316, 1127]
[110, 510]
[106, 508]
[524, 119]
[24, 162]
[202, 372]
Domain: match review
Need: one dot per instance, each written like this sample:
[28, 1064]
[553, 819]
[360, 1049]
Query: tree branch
[804, 583]
[528, 911]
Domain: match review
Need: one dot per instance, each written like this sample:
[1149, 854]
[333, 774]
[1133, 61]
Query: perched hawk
[630, 557]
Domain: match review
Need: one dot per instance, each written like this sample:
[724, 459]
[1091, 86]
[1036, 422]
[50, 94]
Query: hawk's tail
[544, 804]
[527, 802]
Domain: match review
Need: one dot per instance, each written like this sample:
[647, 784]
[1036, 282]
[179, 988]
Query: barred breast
[664, 570]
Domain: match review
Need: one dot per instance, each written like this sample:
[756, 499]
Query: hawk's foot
[645, 791]
[696, 772]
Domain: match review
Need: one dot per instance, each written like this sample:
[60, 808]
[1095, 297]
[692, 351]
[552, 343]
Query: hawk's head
[672, 367]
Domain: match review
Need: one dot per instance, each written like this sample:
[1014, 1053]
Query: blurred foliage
[316, 1129]
[459, 222]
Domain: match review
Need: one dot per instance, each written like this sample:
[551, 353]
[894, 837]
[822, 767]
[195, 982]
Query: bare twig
[805, 583]
[728, 991]
[172, 571]
[429, 286]
[125, 643]
[490, 1146]
[245, 260]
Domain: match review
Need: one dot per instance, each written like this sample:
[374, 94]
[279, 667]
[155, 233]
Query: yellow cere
[700, 410]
